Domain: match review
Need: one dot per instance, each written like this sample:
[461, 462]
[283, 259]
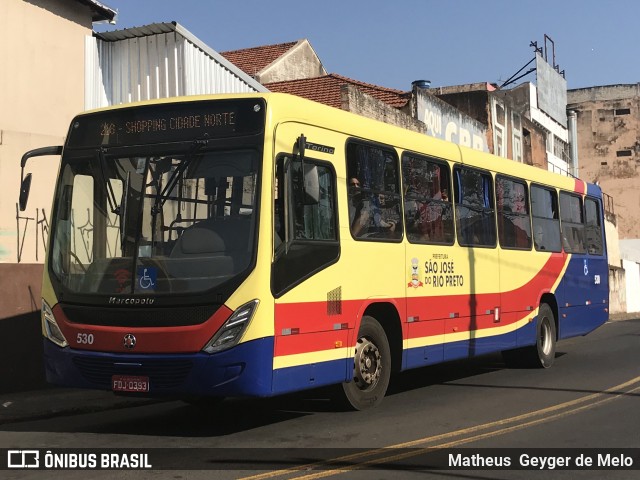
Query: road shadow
[179, 419]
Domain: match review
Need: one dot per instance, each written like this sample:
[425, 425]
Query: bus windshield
[154, 224]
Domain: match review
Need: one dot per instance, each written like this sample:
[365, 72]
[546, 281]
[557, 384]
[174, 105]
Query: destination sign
[169, 122]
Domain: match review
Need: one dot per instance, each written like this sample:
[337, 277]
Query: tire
[545, 348]
[543, 353]
[371, 367]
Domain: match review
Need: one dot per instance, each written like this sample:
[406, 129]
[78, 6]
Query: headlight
[232, 330]
[51, 326]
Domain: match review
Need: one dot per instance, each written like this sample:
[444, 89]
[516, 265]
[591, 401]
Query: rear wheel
[371, 366]
[543, 353]
[545, 349]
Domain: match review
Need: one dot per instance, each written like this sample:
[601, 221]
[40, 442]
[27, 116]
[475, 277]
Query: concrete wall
[41, 89]
[609, 146]
[613, 243]
[299, 62]
[447, 122]
[534, 150]
[355, 101]
[632, 285]
[617, 291]
[21, 365]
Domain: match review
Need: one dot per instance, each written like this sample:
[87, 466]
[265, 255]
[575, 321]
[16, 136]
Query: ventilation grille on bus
[139, 317]
[162, 373]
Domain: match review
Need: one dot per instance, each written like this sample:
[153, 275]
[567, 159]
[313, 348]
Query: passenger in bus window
[359, 215]
[430, 215]
[383, 216]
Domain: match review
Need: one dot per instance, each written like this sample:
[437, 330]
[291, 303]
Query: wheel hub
[368, 367]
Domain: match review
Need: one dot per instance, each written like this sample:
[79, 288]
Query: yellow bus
[253, 245]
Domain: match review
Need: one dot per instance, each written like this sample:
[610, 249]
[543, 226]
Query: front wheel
[371, 366]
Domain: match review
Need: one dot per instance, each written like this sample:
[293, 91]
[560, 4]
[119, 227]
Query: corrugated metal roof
[101, 12]
[137, 32]
[157, 61]
[160, 28]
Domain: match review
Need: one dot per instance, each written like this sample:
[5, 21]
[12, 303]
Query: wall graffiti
[33, 233]
[37, 237]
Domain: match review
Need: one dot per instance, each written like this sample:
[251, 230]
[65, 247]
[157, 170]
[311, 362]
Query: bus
[258, 244]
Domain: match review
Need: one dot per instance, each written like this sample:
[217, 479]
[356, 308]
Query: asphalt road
[586, 404]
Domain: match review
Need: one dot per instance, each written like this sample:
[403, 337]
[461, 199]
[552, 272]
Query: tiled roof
[326, 89]
[253, 60]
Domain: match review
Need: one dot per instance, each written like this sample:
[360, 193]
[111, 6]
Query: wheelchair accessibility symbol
[147, 278]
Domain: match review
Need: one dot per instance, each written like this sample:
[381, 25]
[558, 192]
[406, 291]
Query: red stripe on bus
[184, 339]
[313, 330]
[529, 294]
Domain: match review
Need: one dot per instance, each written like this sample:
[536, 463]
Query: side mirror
[25, 187]
[25, 181]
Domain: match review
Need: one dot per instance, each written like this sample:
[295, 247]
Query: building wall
[609, 146]
[299, 62]
[447, 122]
[617, 290]
[41, 89]
[355, 101]
[534, 150]
[613, 242]
[632, 284]
[506, 114]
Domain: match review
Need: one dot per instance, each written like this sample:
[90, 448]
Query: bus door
[519, 266]
[428, 213]
[470, 275]
[307, 281]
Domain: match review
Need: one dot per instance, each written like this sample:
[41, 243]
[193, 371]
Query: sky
[392, 43]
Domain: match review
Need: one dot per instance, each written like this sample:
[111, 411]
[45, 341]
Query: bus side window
[572, 223]
[546, 221]
[305, 234]
[374, 193]
[475, 214]
[593, 227]
[427, 207]
[514, 222]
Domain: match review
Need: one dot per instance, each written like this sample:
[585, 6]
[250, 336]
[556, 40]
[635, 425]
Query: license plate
[129, 383]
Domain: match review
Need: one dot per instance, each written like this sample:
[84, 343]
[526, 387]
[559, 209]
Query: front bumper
[244, 370]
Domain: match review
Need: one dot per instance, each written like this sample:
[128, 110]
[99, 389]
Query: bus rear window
[572, 223]
[593, 227]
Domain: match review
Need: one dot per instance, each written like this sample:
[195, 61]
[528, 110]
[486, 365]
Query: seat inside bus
[211, 248]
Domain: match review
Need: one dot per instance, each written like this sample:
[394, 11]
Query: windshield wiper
[162, 195]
